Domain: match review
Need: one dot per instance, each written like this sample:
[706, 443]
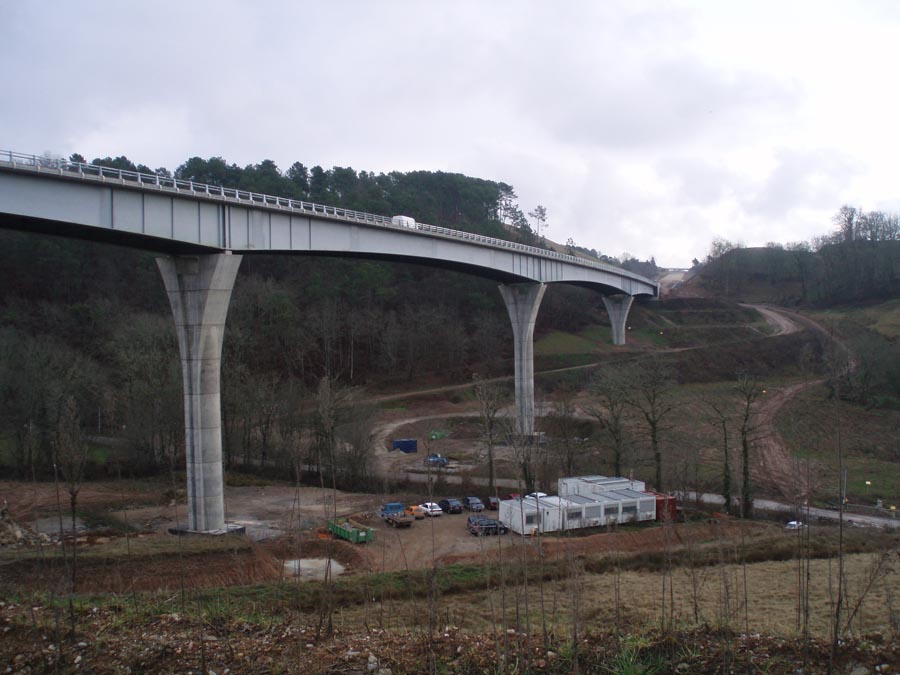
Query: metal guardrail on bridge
[153, 181]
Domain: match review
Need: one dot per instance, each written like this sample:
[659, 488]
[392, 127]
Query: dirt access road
[781, 322]
[773, 464]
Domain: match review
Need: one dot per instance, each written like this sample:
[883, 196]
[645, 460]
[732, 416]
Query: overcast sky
[643, 127]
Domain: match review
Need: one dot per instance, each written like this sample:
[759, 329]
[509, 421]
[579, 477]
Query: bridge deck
[174, 215]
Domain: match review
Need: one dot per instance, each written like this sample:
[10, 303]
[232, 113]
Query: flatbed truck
[394, 514]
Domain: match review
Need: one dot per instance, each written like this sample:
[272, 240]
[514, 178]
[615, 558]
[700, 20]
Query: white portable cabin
[595, 511]
[588, 486]
[628, 506]
[547, 514]
[579, 505]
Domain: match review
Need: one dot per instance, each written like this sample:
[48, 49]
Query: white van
[403, 221]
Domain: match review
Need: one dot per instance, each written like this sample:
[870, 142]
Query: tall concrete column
[522, 303]
[617, 307]
[199, 289]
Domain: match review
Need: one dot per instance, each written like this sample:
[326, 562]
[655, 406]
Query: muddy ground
[283, 524]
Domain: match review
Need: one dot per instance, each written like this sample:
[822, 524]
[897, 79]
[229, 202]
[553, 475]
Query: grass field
[814, 428]
[557, 342]
[702, 590]
[883, 317]
[705, 582]
[97, 455]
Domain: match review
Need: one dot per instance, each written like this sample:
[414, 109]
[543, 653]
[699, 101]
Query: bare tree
[357, 441]
[611, 389]
[847, 222]
[652, 397]
[523, 450]
[490, 397]
[562, 427]
[720, 419]
[750, 390]
[325, 423]
[839, 364]
[328, 399]
[70, 457]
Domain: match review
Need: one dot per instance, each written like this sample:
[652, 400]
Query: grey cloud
[801, 179]
[666, 104]
[698, 181]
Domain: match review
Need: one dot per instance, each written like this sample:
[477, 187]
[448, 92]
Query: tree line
[448, 199]
[859, 259]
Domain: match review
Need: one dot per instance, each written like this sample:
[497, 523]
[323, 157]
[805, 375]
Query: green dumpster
[352, 532]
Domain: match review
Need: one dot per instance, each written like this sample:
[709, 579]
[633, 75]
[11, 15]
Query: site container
[407, 445]
[666, 508]
[587, 501]
[352, 532]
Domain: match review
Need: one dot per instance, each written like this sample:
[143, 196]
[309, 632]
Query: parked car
[474, 518]
[536, 495]
[512, 495]
[491, 503]
[480, 526]
[451, 505]
[415, 511]
[794, 525]
[436, 460]
[431, 509]
[473, 504]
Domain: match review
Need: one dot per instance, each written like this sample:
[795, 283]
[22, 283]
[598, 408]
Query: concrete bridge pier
[522, 303]
[617, 307]
[199, 289]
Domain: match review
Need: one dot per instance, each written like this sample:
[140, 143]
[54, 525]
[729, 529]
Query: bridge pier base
[617, 306]
[199, 289]
[522, 303]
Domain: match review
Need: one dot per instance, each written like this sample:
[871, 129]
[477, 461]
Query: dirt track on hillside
[783, 324]
[773, 465]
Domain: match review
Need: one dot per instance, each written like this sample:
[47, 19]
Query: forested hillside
[86, 328]
[855, 265]
[859, 261]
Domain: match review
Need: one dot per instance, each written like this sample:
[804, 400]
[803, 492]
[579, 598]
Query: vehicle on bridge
[403, 221]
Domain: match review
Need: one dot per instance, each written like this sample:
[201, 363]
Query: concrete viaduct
[203, 230]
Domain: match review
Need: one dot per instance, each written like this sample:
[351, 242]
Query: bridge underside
[174, 247]
[90, 233]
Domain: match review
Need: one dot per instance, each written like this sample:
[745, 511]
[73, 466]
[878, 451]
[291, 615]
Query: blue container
[406, 445]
